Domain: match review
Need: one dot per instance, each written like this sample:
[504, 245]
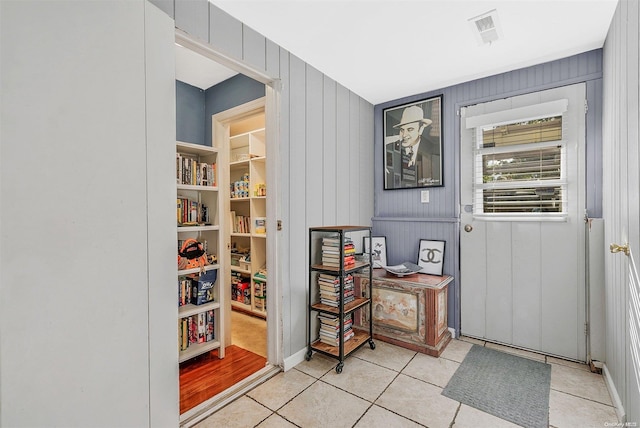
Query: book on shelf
[190, 212]
[202, 327]
[183, 326]
[240, 223]
[331, 252]
[184, 291]
[195, 329]
[191, 172]
[333, 321]
[330, 328]
[210, 325]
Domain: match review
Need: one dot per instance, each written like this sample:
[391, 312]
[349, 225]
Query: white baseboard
[617, 403]
[294, 360]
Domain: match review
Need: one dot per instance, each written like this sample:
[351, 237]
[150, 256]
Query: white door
[522, 255]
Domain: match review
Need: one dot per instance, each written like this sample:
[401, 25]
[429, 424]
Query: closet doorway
[218, 104]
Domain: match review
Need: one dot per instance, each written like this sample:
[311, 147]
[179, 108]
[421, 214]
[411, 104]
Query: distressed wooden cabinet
[409, 311]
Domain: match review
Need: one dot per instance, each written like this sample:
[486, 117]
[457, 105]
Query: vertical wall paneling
[160, 95]
[633, 194]
[314, 146]
[342, 156]
[443, 210]
[297, 215]
[285, 203]
[352, 186]
[272, 62]
[74, 313]
[254, 48]
[330, 153]
[594, 150]
[366, 162]
[192, 17]
[165, 5]
[621, 207]
[50, 54]
[225, 32]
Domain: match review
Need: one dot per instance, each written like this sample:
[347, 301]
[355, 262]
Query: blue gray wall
[233, 92]
[194, 106]
[404, 220]
[190, 117]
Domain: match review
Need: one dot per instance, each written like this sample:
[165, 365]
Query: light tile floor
[393, 387]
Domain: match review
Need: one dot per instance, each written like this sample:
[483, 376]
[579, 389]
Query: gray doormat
[512, 388]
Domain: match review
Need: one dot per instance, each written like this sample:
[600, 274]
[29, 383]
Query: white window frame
[505, 117]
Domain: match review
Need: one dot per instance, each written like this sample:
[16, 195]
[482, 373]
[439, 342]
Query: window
[519, 169]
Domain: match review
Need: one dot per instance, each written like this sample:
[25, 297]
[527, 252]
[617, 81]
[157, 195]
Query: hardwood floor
[206, 376]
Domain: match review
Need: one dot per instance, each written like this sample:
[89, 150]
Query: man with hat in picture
[420, 154]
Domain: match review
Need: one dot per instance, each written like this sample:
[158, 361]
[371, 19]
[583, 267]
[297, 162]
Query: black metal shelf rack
[361, 302]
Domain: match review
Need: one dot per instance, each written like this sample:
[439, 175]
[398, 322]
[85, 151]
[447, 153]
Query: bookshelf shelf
[200, 327]
[191, 309]
[195, 149]
[348, 307]
[335, 303]
[239, 164]
[199, 349]
[185, 229]
[196, 270]
[248, 206]
[198, 188]
[350, 345]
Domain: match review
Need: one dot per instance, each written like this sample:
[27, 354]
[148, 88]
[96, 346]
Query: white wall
[87, 249]
[325, 148]
[80, 195]
[621, 207]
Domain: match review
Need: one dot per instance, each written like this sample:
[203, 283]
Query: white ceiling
[383, 49]
[199, 71]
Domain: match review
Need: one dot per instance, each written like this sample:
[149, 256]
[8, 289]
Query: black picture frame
[431, 256]
[416, 126]
[379, 244]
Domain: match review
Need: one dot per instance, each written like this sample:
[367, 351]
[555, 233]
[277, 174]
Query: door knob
[468, 228]
[615, 248]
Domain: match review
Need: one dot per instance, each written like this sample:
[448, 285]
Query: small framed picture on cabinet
[378, 249]
[431, 256]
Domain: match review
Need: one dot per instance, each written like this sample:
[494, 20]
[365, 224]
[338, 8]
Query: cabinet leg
[308, 356]
[372, 344]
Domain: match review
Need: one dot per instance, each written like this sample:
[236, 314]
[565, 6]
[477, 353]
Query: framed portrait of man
[413, 144]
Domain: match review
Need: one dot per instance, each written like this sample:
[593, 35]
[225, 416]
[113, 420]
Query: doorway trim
[271, 105]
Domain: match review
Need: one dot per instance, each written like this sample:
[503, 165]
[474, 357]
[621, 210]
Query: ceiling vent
[486, 27]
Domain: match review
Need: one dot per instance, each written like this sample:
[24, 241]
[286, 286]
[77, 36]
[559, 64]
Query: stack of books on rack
[329, 287]
[331, 252]
[330, 329]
